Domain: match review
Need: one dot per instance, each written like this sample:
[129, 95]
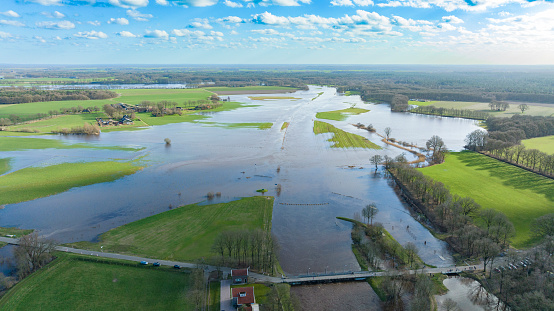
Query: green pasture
[68, 283]
[135, 96]
[4, 164]
[14, 231]
[256, 125]
[484, 107]
[342, 139]
[59, 122]
[25, 111]
[521, 195]
[186, 233]
[340, 115]
[25, 143]
[37, 182]
[544, 144]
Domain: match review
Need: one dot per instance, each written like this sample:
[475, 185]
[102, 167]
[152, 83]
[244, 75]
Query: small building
[243, 296]
[240, 276]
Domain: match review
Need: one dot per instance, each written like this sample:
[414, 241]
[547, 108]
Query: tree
[369, 212]
[488, 251]
[543, 226]
[476, 140]
[399, 103]
[523, 107]
[411, 252]
[167, 141]
[449, 305]
[32, 253]
[376, 160]
[388, 131]
[436, 144]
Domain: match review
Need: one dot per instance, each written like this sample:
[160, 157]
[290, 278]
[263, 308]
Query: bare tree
[523, 107]
[411, 252]
[32, 253]
[376, 160]
[388, 131]
[437, 145]
[369, 212]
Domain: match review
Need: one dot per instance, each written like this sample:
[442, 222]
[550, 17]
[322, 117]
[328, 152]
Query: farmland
[340, 115]
[484, 107]
[189, 242]
[521, 195]
[342, 139]
[544, 144]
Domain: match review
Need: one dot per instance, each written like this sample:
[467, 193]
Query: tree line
[455, 215]
[254, 248]
[451, 112]
[21, 95]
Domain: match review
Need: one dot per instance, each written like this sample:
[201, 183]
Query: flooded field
[468, 294]
[317, 182]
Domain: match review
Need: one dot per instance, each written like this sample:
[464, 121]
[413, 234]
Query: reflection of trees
[479, 296]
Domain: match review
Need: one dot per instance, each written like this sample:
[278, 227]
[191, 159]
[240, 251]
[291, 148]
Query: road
[225, 302]
[312, 278]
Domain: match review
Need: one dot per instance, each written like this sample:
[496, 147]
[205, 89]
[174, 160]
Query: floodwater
[468, 294]
[318, 182]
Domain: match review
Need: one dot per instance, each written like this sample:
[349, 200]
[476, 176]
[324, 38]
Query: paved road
[257, 276]
[225, 302]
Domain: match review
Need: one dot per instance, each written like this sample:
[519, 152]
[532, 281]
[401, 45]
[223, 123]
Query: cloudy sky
[277, 31]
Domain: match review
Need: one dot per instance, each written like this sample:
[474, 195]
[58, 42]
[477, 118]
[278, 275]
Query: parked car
[156, 264]
[177, 267]
[144, 262]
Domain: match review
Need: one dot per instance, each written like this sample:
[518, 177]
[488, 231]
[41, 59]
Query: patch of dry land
[356, 296]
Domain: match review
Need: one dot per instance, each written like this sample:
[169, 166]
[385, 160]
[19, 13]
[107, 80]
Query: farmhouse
[240, 276]
[244, 297]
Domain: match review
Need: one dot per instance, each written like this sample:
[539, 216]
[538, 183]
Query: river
[236, 162]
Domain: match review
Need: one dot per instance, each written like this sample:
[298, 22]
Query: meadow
[186, 233]
[256, 125]
[342, 139]
[484, 107]
[68, 283]
[26, 143]
[340, 115]
[37, 182]
[521, 195]
[544, 144]
[4, 165]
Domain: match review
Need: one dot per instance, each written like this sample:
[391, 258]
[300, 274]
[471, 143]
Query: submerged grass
[37, 182]
[318, 94]
[185, 233]
[285, 125]
[25, 143]
[4, 165]
[522, 195]
[340, 115]
[272, 97]
[68, 283]
[342, 139]
[258, 125]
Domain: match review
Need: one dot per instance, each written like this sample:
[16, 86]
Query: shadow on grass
[511, 176]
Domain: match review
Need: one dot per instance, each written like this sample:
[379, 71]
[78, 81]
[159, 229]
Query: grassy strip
[521, 195]
[25, 143]
[185, 233]
[259, 125]
[6, 133]
[249, 88]
[318, 94]
[272, 97]
[340, 115]
[438, 286]
[361, 260]
[350, 93]
[544, 144]
[285, 125]
[72, 284]
[4, 165]
[37, 182]
[215, 292]
[484, 107]
[14, 231]
[375, 283]
[342, 139]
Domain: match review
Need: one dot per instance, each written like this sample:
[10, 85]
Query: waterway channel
[318, 182]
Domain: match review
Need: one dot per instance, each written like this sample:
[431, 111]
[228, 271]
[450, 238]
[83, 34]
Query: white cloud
[40, 39]
[231, 19]
[342, 3]
[200, 23]
[232, 4]
[57, 14]
[47, 2]
[126, 34]
[136, 15]
[216, 33]
[452, 19]
[233, 32]
[250, 5]
[451, 5]
[265, 31]
[5, 35]
[187, 33]
[156, 34]
[162, 2]
[94, 23]
[504, 13]
[119, 21]
[91, 35]
[10, 13]
[57, 38]
[11, 23]
[129, 3]
[363, 2]
[56, 25]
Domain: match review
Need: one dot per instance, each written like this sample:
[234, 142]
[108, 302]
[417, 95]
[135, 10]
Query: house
[126, 120]
[240, 276]
[243, 296]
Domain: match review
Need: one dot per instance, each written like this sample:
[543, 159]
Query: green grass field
[285, 125]
[25, 143]
[185, 233]
[258, 125]
[71, 284]
[521, 195]
[544, 144]
[14, 231]
[135, 96]
[37, 182]
[342, 139]
[484, 107]
[28, 109]
[340, 115]
[4, 164]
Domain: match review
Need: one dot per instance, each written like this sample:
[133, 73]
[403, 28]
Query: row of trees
[254, 248]
[451, 112]
[399, 103]
[86, 129]
[20, 95]
[499, 105]
[456, 215]
[117, 112]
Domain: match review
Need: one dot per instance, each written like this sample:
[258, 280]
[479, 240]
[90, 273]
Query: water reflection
[318, 183]
[469, 294]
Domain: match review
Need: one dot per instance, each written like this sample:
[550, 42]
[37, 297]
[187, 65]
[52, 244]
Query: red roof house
[243, 296]
[240, 276]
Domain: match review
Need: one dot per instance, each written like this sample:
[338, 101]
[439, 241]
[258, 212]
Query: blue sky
[276, 32]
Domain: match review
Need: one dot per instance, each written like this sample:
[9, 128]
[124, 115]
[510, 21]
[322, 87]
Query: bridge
[313, 278]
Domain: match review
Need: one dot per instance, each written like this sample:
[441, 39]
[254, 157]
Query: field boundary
[516, 165]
